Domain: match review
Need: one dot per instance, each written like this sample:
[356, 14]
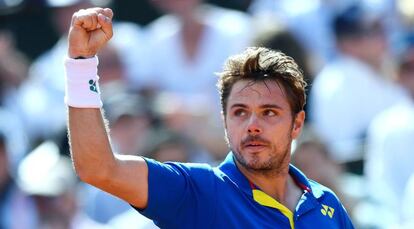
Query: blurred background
[159, 93]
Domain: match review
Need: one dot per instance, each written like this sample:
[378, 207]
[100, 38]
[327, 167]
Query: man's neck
[280, 186]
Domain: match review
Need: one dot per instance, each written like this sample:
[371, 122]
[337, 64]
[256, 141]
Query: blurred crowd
[159, 91]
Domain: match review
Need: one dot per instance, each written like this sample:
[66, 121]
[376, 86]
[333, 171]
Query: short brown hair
[260, 64]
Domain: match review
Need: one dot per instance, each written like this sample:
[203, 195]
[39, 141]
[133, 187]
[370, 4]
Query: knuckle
[94, 15]
[85, 13]
[75, 16]
[97, 9]
[82, 12]
[109, 12]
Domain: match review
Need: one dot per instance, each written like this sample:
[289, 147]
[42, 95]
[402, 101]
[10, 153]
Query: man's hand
[90, 30]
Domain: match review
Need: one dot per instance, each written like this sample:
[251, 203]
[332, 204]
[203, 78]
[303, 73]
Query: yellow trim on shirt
[266, 200]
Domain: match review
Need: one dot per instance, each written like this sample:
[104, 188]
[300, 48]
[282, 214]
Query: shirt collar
[228, 167]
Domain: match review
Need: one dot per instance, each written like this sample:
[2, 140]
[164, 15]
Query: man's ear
[298, 124]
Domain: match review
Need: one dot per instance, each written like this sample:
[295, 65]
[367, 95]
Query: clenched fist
[90, 30]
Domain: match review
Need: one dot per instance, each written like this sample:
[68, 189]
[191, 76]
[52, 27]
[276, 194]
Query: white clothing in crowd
[225, 32]
[40, 99]
[390, 158]
[131, 219]
[346, 95]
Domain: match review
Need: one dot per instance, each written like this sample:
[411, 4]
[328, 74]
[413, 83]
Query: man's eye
[269, 113]
[239, 112]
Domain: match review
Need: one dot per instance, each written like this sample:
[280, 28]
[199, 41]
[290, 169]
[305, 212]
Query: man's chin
[260, 161]
[258, 166]
[255, 162]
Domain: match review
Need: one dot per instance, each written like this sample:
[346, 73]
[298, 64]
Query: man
[262, 95]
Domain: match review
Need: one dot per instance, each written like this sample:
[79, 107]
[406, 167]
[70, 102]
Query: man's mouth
[254, 145]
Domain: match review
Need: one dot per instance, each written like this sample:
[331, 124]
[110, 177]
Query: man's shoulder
[319, 191]
[323, 194]
[329, 205]
[184, 168]
[194, 167]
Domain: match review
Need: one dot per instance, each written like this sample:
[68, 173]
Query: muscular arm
[94, 161]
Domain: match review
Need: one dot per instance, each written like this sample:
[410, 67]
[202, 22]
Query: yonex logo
[92, 86]
[326, 210]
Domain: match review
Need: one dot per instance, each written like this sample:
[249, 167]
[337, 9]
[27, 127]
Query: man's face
[373, 46]
[259, 125]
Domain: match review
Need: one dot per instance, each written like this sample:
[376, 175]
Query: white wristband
[82, 89]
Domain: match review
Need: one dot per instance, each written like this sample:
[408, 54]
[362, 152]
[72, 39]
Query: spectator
[168, 145]
[190, 42]
[185, 115]
[407, 211]
[17, 210]
[131, 121]
[389, 159]
[46, 87]
[351, 90]
[13, 68]
[308, 21]
[49, 178]
[13, 72]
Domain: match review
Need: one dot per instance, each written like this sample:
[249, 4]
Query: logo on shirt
[92, 86]
[326, 210]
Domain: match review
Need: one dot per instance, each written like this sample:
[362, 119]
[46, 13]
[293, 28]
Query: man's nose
[253, 127]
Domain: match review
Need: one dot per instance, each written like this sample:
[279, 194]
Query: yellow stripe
[266, 200]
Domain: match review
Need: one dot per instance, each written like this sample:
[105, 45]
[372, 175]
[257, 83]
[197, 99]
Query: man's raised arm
[94, 161]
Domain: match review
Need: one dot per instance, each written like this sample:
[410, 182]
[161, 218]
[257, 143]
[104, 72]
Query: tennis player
[262, 94]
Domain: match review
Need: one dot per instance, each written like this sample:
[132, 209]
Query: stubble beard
[274, 166]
